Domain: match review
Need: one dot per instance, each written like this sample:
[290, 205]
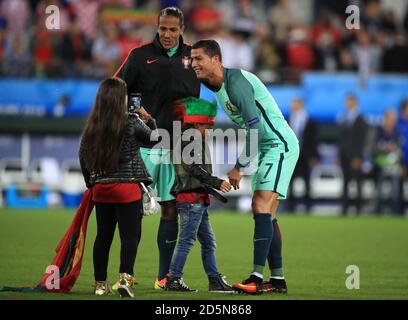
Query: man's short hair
[172, 11]
[210, 47]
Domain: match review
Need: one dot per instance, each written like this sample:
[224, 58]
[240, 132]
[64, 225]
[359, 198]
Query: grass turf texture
[316, 252]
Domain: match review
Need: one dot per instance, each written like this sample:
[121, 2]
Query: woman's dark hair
[172, 11]
[105, 127]
[210, 47]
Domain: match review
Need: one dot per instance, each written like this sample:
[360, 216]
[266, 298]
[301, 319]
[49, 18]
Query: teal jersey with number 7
[249, 104]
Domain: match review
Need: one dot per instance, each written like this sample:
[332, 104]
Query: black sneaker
[275, 286]
[218, 284]
[177, 284]
[252, 285]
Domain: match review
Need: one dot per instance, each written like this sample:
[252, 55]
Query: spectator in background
[3, 20]
[47, 57]
[74, 51]
[326, 52]
[226, 41]
[87, 13]
[299, 52]
[106, 52]
[367, 55]
[306, 131]
[3, 35]
[403, 129]
[281, 19]
[325, 27]
[395, 55]
[346, 61]
[204, 18]
[387, 159]
[44, 53]
[327, 40]
[2, 42]
[17, 61]
[129, 38]
[268, 59]
[389, 23]
[328, 48]
[371, 17]
[17, 14]
[352, 135]
[243, 57]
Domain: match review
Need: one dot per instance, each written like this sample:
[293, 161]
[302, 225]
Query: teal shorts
[160, 166]
[275, 169]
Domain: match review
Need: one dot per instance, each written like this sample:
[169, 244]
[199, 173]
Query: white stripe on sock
[277, 277]
[257, 275]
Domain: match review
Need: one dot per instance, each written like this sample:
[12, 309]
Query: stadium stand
[48, 78]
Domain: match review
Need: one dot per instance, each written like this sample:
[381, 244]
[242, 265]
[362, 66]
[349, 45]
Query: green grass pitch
[317, 251]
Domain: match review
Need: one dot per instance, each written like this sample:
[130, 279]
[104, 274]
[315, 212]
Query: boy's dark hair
[210, 47]
[172, 11]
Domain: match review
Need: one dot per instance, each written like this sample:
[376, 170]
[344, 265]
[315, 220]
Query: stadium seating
[326, 182]
[45, 171]
[73, 185]
[12, 172]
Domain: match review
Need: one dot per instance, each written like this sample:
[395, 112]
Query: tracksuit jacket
[160, 79]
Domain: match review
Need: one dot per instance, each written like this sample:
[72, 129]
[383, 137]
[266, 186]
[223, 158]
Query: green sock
[262, 241]
[166, 241]
[275, 252]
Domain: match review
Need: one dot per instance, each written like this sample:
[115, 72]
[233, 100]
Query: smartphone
[135, 101]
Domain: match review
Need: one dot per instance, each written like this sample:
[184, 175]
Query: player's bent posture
[248, 103]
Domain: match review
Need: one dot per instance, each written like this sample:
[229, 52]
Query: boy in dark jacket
[194, 182]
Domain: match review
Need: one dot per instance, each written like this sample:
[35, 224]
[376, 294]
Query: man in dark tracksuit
[161, 71]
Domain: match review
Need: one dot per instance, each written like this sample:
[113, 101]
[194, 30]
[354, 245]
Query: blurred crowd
[277, 39]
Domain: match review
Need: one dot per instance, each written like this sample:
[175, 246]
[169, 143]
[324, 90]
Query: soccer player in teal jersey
[248, 103]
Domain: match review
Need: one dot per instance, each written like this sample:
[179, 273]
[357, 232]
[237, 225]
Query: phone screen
[135, 101]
